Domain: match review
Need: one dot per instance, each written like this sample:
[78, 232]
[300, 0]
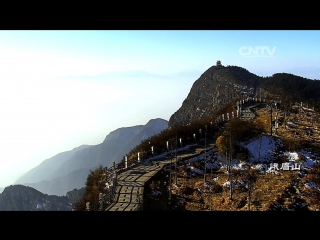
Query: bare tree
[251, 176]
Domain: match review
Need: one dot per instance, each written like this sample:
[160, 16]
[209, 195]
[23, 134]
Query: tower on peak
[218, 63]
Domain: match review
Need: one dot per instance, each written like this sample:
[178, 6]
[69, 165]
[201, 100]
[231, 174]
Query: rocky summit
[220, 85]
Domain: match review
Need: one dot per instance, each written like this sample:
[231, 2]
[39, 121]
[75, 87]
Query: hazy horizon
[63, 89]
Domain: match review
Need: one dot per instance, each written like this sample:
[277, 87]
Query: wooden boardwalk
[131, 183]
[130, 187]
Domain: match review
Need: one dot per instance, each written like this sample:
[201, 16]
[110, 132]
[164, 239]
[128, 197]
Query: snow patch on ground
[195, 170]
[227, 184]
[262, 149]
[311, 184]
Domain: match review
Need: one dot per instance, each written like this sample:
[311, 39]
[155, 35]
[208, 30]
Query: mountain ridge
[72, 167]
[24, 198]
[48, 166]
[220, 85]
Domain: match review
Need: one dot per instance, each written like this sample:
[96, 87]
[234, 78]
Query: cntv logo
[257, 51]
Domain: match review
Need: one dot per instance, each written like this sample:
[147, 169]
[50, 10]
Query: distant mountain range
[23, 198]
[68, 170]
[45, 170]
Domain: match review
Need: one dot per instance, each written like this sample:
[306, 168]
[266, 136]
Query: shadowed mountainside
[45, 170]
[69, 170]
[23, 198]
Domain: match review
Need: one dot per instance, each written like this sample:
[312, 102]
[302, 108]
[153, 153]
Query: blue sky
[62, 89]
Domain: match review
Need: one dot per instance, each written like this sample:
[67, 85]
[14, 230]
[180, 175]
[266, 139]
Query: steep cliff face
[215, 88]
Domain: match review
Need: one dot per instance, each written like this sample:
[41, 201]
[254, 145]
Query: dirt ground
[268, 192]
[285, 191]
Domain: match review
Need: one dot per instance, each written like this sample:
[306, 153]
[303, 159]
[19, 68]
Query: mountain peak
[157, 120]
[213, 90]
[220, 85]
[157, 123]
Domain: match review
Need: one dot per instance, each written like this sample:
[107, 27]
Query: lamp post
[194, 136]
[151, 148]
[275, 104]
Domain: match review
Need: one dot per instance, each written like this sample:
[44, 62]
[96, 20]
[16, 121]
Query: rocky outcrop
[215, 88]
